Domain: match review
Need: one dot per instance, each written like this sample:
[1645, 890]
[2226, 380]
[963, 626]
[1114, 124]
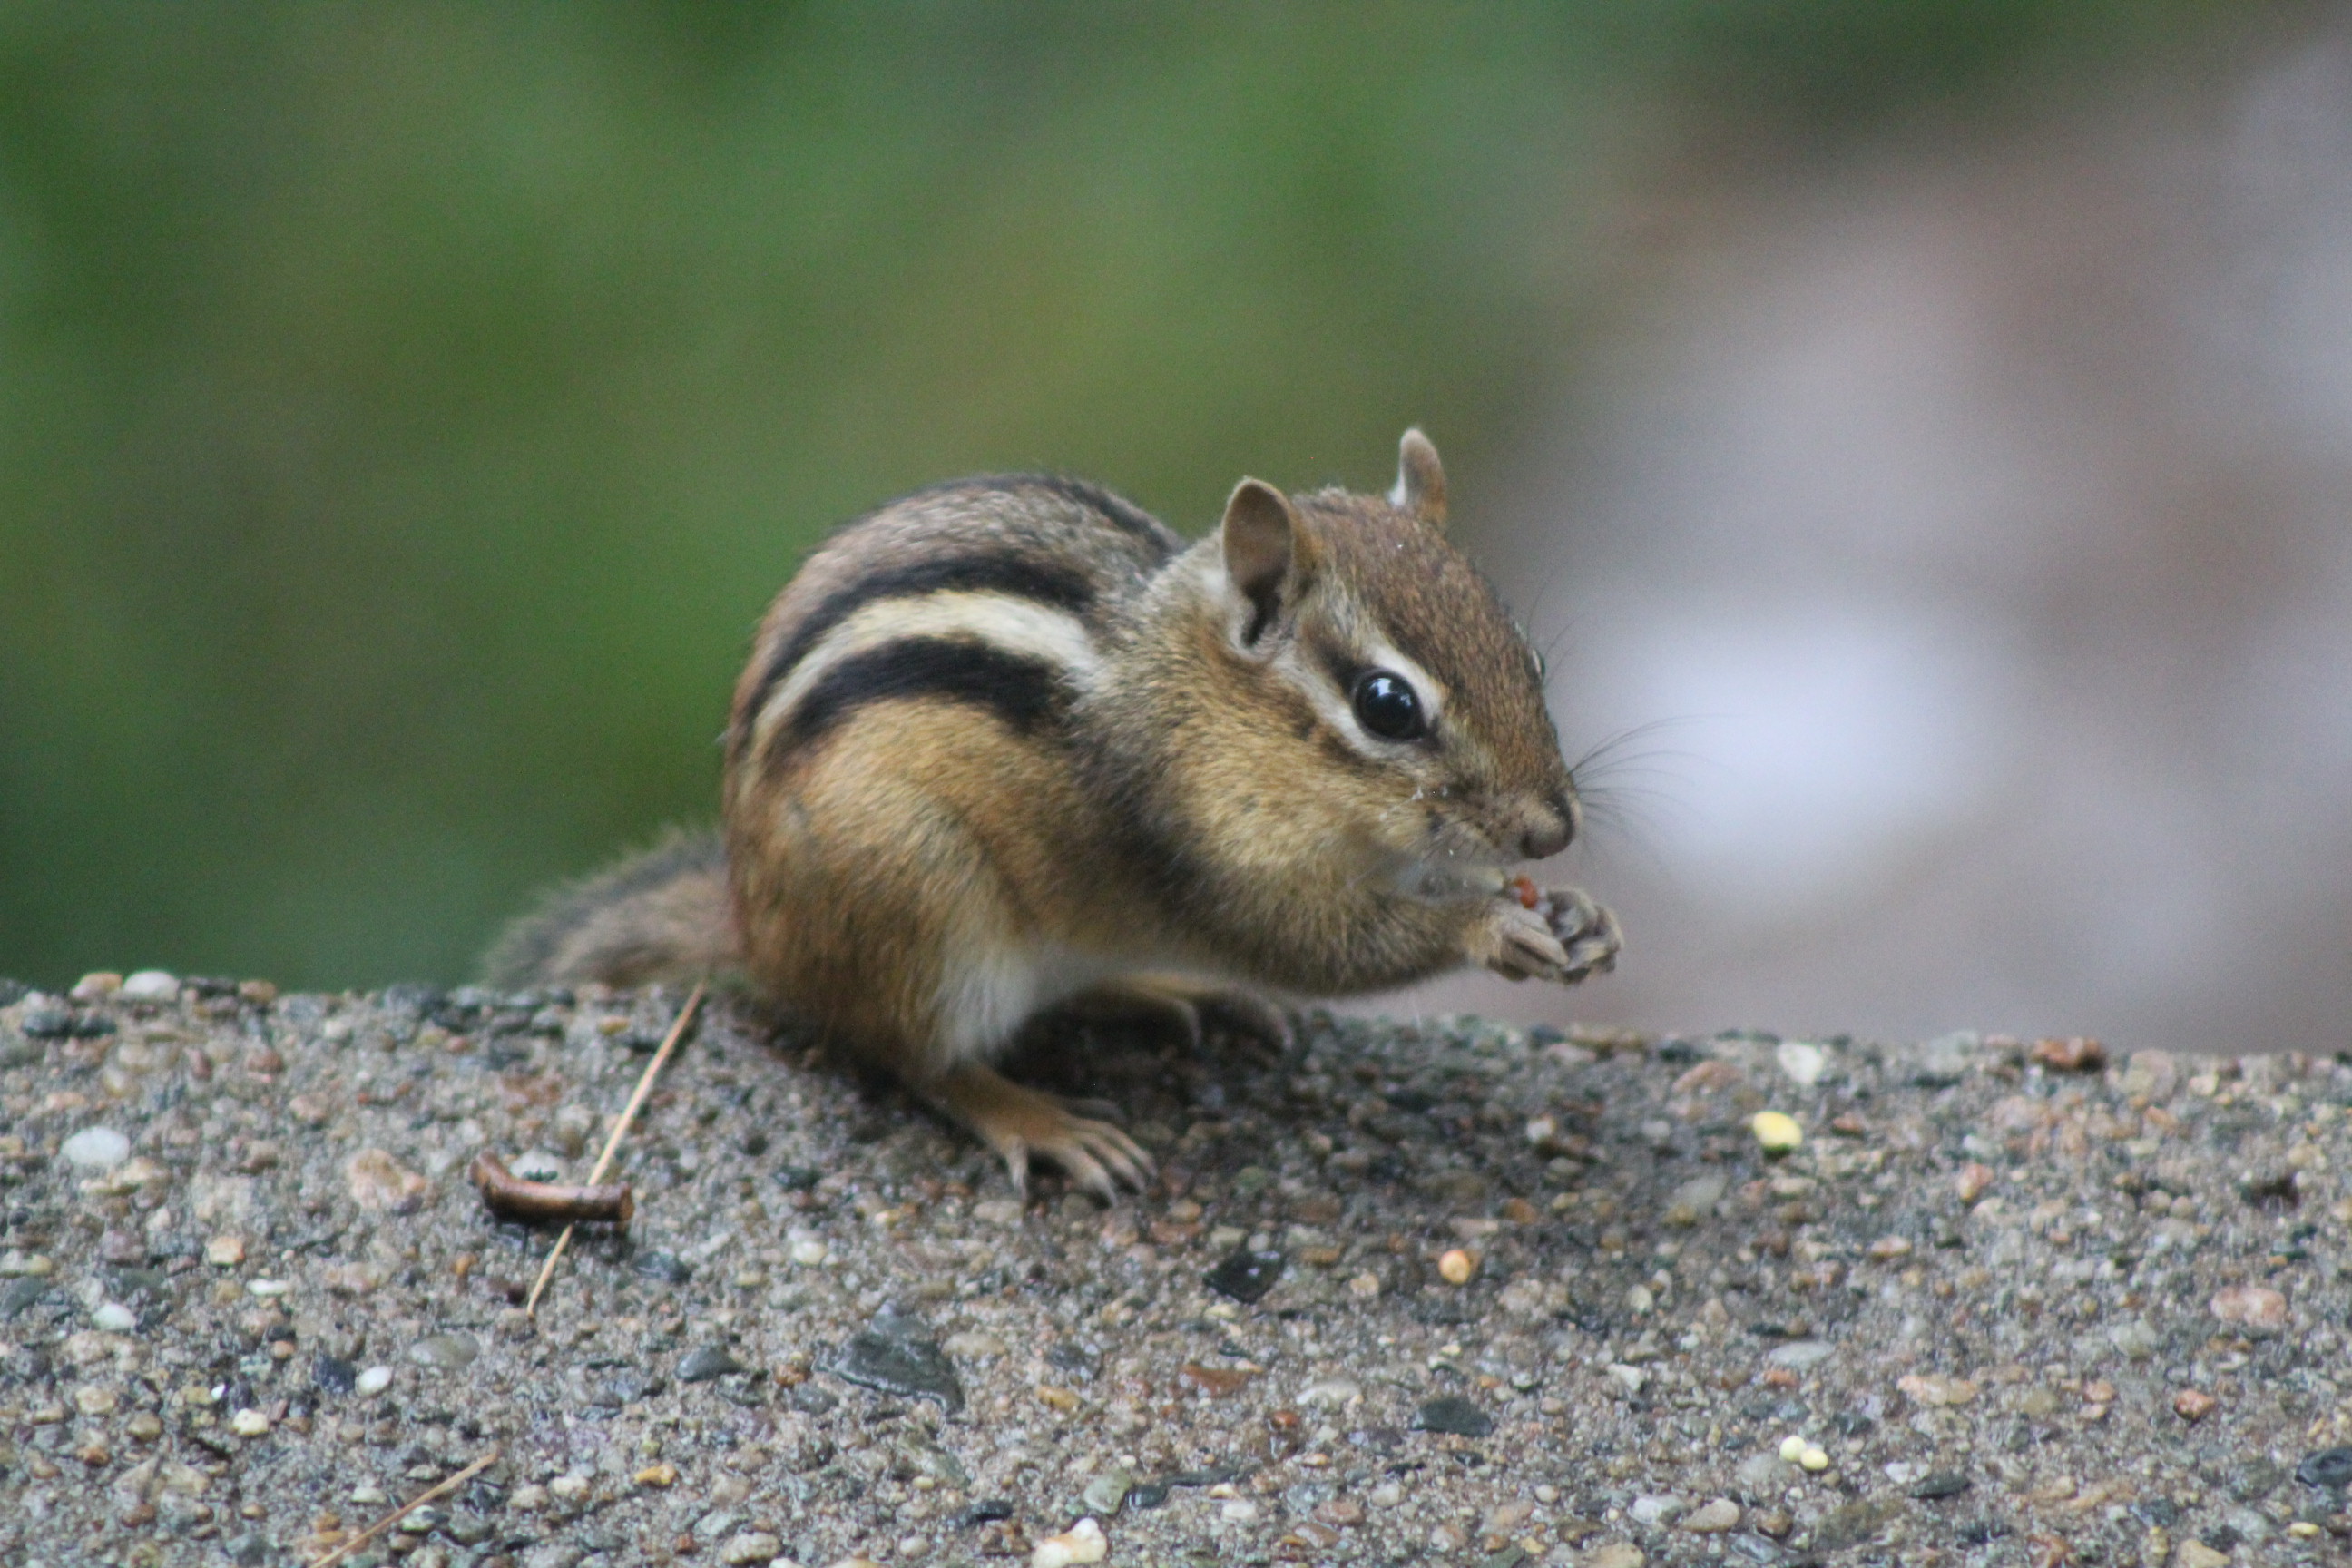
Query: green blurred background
[406, 411]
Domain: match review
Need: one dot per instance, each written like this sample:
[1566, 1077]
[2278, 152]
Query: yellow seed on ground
[1814, 1459]
[1457, 1265]
[1777, 1132]
[1792, 1448]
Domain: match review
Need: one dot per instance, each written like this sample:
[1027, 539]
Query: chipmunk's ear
[1267, 553]
[1421, 480]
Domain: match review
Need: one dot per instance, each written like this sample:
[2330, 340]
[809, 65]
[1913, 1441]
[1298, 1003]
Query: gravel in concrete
[1407, 1292]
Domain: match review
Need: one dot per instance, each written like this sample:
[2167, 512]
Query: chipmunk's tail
[661, 914]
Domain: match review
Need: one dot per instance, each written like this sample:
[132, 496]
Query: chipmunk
[1007, 742]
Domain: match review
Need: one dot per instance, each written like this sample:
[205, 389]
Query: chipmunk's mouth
[1446, 880]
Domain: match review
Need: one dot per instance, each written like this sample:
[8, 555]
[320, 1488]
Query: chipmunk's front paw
[1556, 934]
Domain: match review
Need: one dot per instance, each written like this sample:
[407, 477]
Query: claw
[1020, 1122]
[1256, 1016]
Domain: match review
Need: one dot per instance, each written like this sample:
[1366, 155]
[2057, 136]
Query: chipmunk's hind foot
[1021, 1124]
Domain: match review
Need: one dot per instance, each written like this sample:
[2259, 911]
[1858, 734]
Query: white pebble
[374, 1381]
[114, 1318]
[1803, 1063]
[249, 1424]
[96, 1149]
[151, 985]
[810, 1252]
[267, 1288]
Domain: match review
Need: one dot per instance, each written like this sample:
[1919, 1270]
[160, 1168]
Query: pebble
[1657, 1508]
[571, 1487]
[1453, 1414]
[1941, 1484]
[446, 1353]
[249, 1424]
[2195, 1553]
[145, 1427]
[151, 985]
[334, 1375]
[381, 1185]
[2256, 1308]
[372, 1381]
[1934, 1390]
[1456, 1266]
[2328, 1470]
[1616, 1554]
[1106, 1493]
[1246, 1276]
[973, 1344]
[96, 1149]
[2193, 1404]
[1801, 1061]
[224, 1251]
[1082, 1542]
[1776, 1133]
[1800, 1356]
[897, 1355]
[95, 987]
[1330, 1393]
[702, 1365]
[660, 1476]
[91, 1399]
[114, 1318]
[750, 1547]
[2078, 1054]
[1695, 1199]
[665, 1267]
[1973, 1182]
[45, 1021]
[1716, 1517]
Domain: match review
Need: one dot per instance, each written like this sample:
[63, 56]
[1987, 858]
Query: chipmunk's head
[1411, 706]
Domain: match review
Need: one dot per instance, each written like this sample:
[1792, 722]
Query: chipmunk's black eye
[1387, 706]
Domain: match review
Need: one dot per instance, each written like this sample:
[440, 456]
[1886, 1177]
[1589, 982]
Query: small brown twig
[620, 1130]
[405, 1510]
[511, 1196]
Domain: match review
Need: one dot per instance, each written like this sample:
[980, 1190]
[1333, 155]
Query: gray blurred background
[1922, 434]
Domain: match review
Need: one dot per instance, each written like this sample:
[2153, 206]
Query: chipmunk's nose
[1550, 829]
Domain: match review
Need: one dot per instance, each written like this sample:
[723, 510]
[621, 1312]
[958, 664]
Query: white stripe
[1020, 626]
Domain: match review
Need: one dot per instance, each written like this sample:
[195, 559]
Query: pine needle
[405, 1510]
[620, 1130]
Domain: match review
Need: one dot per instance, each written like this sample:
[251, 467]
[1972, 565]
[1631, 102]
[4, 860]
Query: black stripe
[1129, 517]
[1026, 693]
[1112, 507]
[1021, 577]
